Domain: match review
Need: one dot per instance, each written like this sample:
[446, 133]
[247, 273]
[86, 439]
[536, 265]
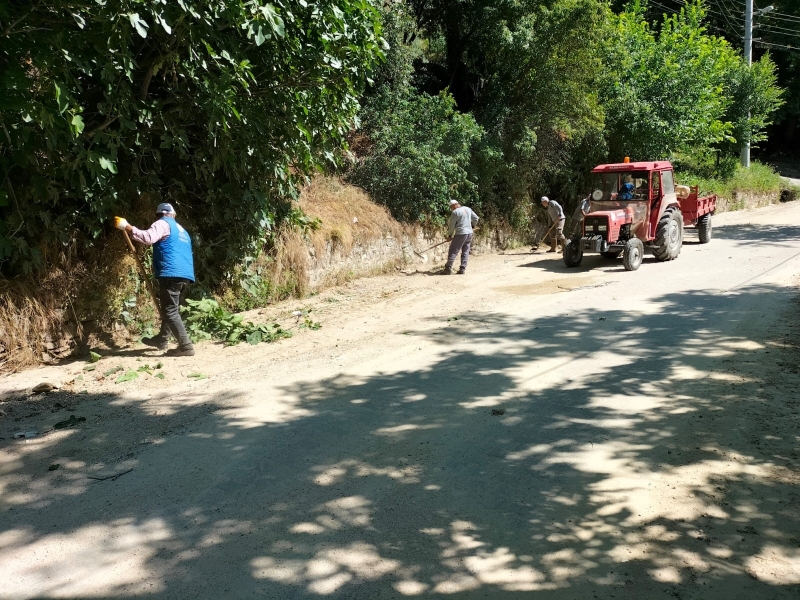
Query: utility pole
[748, 57]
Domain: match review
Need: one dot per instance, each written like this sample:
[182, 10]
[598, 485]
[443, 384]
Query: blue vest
[172, 256]
[626, 192]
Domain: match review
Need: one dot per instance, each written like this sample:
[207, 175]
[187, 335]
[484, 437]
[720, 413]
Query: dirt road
[525, 431]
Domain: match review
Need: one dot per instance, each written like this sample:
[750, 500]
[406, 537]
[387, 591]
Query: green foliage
[664, 87]
[128, 376]
[755, 99]
[414, 148]
[206, 319]
[758, 179]
[540, 62]
[677, 87]
[420, 155]
[217, 106]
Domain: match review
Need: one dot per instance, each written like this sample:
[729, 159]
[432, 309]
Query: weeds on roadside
[758, 179]
[205, 319]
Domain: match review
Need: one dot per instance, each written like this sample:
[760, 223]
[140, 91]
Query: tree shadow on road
[515, 466]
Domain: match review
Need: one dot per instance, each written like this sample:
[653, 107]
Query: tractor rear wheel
[572, 252]
[633, 254]
[669, 235]
[611, 254]
[704, 228]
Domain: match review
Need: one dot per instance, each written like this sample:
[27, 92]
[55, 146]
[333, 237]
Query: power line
[791, 49]
[781, 28]
[779, 33]
[725, 10]
[780, 17]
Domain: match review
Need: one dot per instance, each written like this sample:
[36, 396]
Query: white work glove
[120, 223]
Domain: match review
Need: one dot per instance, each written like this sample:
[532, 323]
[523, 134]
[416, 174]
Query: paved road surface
[523, 432]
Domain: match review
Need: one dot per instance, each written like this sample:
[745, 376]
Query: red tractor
[636, 205]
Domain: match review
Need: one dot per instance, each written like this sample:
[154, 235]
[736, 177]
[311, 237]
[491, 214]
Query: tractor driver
[626, 190]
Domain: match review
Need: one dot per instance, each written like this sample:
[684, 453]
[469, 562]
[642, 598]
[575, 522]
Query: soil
[522, 431]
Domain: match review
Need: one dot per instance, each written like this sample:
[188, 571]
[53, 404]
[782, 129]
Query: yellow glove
[120, 223]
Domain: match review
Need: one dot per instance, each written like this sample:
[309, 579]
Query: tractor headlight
[602, 228]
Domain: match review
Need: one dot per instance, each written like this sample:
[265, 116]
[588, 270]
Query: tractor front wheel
[669, 235]
[633, 254]
[572, 252]
[704, 228]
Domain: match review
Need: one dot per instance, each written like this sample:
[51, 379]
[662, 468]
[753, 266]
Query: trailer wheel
[633, 254]
[611, 254]
[572, 252]
[669, 235]
[704, 228]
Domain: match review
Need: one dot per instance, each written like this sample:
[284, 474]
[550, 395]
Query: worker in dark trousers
[459, 232]
[583, 209]
[173, 264]
[556, 214]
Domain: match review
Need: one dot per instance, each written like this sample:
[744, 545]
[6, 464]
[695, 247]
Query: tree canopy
[218, 107]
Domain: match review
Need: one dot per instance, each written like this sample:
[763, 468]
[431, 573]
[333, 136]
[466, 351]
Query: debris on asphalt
[44, 388]
[111, 477]
[498, 411]
[71, 422]
[25, 435]
[53, 467]
[129, 376]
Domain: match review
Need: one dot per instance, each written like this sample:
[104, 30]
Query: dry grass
[348, 215]
[47, 316]
[33, 313]
[289, 271]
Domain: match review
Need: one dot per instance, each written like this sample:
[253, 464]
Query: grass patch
[759, 179]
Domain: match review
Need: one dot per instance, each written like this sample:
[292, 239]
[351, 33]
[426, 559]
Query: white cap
[453, 202]
[545, 199]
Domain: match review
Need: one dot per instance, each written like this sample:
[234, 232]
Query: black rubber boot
[462, 271]
[447, 271]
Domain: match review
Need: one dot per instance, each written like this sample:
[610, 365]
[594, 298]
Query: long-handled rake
[422, 254]
[142, 272]
[535, 247]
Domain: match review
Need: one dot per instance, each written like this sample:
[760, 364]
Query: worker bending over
[459, 232]
[173, 264]
[557, 218]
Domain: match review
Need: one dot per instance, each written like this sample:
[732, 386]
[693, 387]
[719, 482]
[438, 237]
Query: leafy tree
[415, 149]
[218, 106]
[539, 99]
[677, 88]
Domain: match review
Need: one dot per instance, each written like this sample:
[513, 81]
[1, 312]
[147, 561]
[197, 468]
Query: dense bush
[420, 155]
[217, 106]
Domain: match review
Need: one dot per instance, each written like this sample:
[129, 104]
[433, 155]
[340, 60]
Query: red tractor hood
[619, 217]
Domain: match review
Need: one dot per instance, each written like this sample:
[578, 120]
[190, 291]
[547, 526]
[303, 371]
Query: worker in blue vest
[173, 264]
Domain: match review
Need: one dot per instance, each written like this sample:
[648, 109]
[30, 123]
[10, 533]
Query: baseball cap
[452, 202]
[545, 199]
[165, 207]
